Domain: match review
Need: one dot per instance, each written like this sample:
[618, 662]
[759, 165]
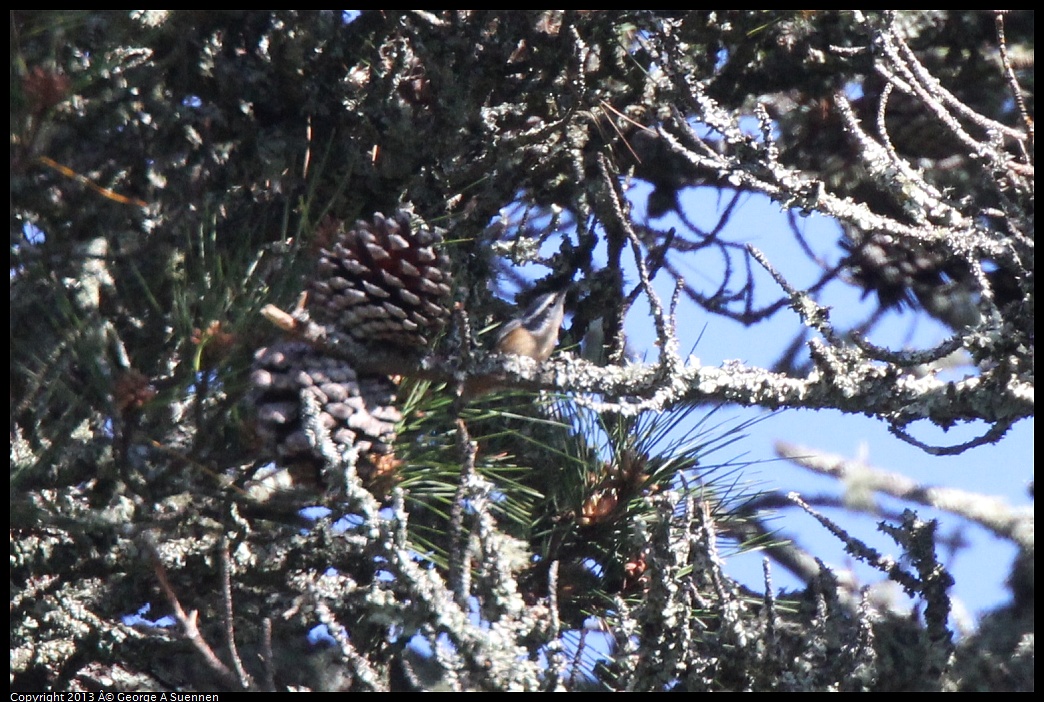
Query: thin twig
[230, 632]
[188, 620]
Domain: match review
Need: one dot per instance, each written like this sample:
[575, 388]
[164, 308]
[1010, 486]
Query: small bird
[535, 332]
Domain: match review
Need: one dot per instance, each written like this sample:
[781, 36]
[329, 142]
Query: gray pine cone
[355, 411]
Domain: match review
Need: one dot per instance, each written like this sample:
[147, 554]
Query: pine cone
[383, 283]
[355, 411]
[904, 274]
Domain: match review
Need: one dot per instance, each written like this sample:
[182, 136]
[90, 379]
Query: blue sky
[1002, 470]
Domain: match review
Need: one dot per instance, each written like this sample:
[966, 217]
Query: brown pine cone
[383, 283]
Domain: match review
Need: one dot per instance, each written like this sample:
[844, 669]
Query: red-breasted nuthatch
[535, 332]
